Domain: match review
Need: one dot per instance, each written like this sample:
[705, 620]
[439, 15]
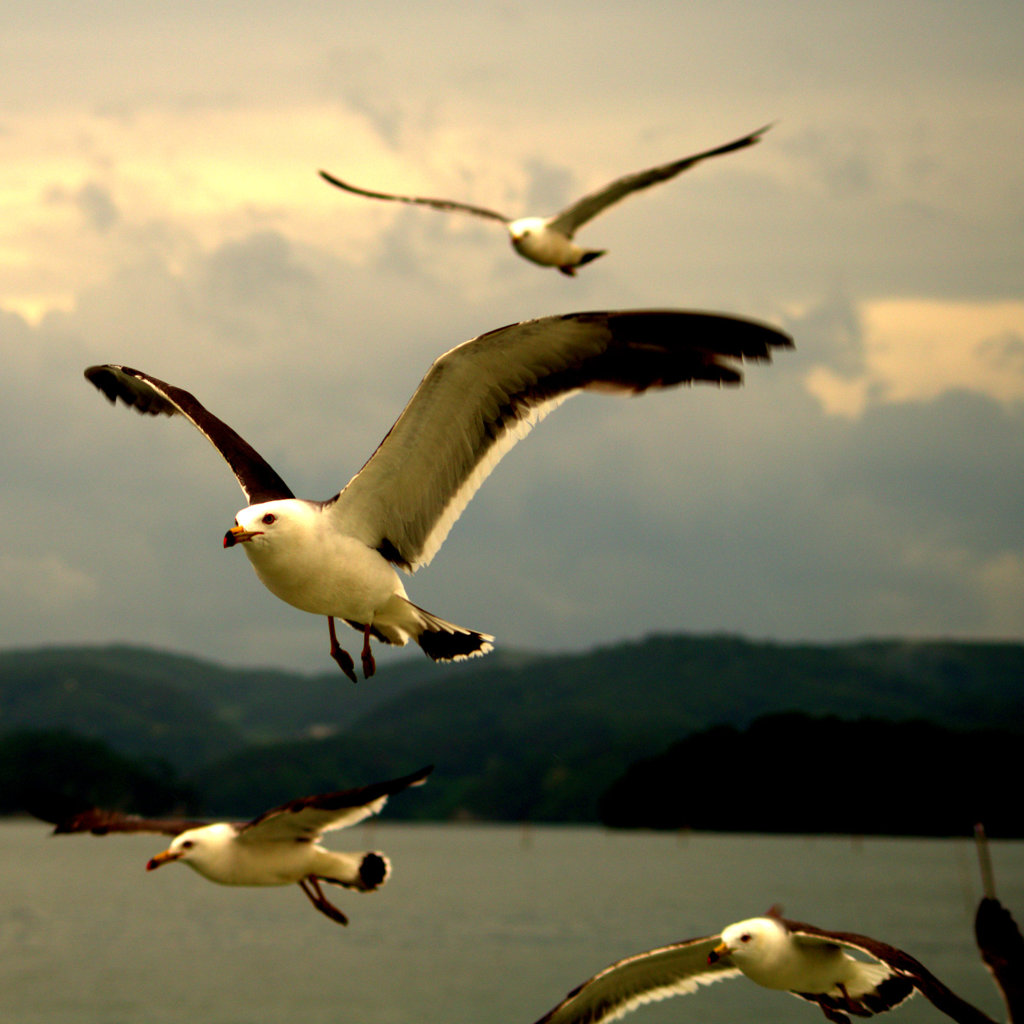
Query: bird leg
[369, 664]
[832, 1014]
[343, 658]
[852, 1005]
[311, 887]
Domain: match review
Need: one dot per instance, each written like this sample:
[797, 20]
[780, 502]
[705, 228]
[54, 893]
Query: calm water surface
[478, 924]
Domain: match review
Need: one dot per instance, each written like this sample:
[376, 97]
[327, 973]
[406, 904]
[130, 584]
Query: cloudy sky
[161, 208]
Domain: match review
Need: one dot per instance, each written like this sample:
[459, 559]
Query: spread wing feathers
[901, 966]
[100, 822]
[1002, 950]
[309, 816]
[572, 217]
[437, 204]
[674, 970]
[146, 394]
[481, 397]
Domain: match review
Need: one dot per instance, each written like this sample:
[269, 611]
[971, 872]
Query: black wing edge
[100, 822]
[937, 993]
[152, 396]
[1002, 951]
[357, 797]
[438, 204]
[663, 348]
[750, 139]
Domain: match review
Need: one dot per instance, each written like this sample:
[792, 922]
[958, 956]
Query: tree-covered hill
[188, 711]
[795, 772]
[542, 739]
[514, 736]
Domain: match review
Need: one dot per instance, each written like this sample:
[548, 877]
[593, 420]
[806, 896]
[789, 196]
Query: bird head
[266, 520]
[526, 226]
[194, 846]
[747, 940]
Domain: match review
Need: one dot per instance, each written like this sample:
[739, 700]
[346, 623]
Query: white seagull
[549, 240]
[277, 848]
[337, 557]
[797, 958]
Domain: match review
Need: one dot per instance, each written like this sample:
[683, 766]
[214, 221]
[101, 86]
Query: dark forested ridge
[794, 773]
[515, 736]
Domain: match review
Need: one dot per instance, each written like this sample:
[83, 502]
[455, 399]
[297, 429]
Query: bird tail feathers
[444, 641]
[369, 872]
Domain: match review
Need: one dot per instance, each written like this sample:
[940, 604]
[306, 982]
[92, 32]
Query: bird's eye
[187, 845]
[268, 519]
[745, 937]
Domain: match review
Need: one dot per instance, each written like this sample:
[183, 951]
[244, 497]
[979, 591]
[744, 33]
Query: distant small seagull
[277, 848]
[549, 240]
[336, 557]
[797, 958]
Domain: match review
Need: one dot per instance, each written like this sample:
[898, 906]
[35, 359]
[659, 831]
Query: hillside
[541, 740]
[514, 736]
[856, 777]
[171, 706]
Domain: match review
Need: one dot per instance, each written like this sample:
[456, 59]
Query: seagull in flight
[277, 848]
[548, 241]
[338, 557]
[805, 961]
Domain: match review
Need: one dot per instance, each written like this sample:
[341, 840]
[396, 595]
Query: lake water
[478, 924]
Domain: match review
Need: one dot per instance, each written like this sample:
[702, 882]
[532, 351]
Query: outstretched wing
[146, 394]
[572, 217]
[309, 816]
[1002, 951]
[903, 968]
[437, 204]
[101, 822]
[481, 397]
[674, 970]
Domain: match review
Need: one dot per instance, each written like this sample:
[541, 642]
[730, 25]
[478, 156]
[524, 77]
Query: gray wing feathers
[574, 216]
[481, 397]
[309, 816]
[450, 205]
[674, 970]
[101, 822]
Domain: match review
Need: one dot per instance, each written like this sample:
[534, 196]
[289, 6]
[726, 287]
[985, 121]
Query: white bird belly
[811, 969]
[542, 245]
[273, 863]
[341, 577]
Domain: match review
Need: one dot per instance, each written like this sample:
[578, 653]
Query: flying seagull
[277, 848]
[337, 557]
[798, 958]
[549, 240]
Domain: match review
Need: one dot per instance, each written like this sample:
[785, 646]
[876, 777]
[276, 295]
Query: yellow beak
[237, 534]
[162, 858]
[717, 953]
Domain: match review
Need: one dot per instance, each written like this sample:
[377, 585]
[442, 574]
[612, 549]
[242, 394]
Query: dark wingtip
[332, 180]
[102, 378]
[373, 870]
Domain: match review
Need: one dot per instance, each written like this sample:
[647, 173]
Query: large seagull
[277, 848]
[338, 557]
[805, 961]
[549, 240]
